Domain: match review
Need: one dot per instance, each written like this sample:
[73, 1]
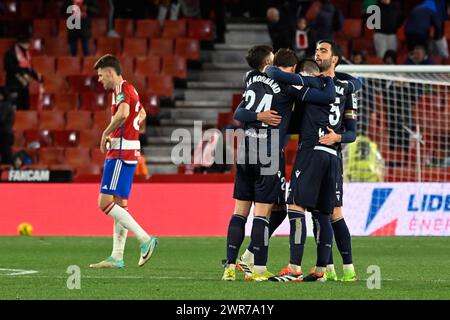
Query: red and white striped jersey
[125, 143]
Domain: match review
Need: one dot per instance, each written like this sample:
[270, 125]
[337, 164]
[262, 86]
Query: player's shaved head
[309, 66]
[259, 56]
[109, 61]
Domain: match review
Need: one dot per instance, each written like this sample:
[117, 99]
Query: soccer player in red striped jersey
[120, 141]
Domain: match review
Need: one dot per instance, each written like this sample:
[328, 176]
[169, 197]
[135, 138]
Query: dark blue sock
[260, 239]
[297, 236]
[325, 238]
[235, 237]
[276, 218]
[343, 240]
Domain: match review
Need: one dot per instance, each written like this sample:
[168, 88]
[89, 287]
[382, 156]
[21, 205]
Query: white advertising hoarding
[391, 209]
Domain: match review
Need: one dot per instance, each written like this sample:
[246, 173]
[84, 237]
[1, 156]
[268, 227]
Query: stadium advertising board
[204, 209]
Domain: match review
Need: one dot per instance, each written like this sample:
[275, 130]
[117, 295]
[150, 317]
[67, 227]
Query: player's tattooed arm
[293, 78]
[321, 97]
[269, 117]
[116, 122]
[354, 84]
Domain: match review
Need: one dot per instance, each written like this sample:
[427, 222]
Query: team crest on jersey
[120, 97]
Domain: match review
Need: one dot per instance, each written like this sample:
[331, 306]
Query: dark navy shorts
[314, 180]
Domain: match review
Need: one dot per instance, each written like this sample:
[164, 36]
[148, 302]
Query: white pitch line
[17, 272]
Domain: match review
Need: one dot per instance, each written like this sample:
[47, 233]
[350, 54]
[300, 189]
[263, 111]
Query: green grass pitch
[190, 268]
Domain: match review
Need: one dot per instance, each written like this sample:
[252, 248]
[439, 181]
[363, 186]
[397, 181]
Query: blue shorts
[117, 178]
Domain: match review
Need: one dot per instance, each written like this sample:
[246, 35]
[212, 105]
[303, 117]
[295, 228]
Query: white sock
[248, 257]
[260, 269]
[162, 12]
[330, 268]
[119, 239]
[295, 267]
[232, 266]
[125, 219]
[349, 267]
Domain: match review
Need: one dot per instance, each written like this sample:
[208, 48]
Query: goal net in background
[404, 111]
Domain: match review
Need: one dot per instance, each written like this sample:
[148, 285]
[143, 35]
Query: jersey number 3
[335, 113]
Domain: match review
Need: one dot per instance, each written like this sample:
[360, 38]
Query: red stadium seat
[224, 118]
[65, 138]
[68, 66]
[161, 47]
[87, 65]
[363, 45]
[55, 84]
[77, 157]
[79, 120]
[44, 64]
[148, 28]
[124, 27]
[173, 29]
[80, 83]
[374, 60]
[41, 102]
[352, 29]
[87, 170]
[108, 45]
[200, 29]
[175, 66]
[62, 28]
[51, 120]
[90, 138]
[97, 157]
[135, 47]
[127, 64]
[19, 139]
[237, 98]
[41, 138]
[51, 156]
[102, 119]
[66, 101]
[99, 27]
[44, 28]
[148, 65]
[56, 47]
[36, 47]
[93, 101]
[26, 120]
[139, 81]
[187, 48]
[160, 85]
[150, 103]
[31, 9]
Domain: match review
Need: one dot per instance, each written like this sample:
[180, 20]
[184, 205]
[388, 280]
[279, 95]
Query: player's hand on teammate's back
[269, 117]
[330, 138]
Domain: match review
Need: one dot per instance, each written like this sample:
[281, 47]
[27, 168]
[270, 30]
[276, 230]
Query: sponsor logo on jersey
[120, 97]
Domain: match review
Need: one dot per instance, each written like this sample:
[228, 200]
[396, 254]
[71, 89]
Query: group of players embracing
[286, 96]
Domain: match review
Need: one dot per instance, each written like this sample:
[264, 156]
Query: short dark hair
[256, 55]
[109, 61]
[336, 50]
[308, 65]
[285, 58]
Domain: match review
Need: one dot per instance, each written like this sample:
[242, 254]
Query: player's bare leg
[147, 243]
[260, 240]
[235, 237]
[344, 243]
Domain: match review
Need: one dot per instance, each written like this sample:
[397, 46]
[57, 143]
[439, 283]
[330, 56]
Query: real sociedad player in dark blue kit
[314, 178]
[252, 184]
